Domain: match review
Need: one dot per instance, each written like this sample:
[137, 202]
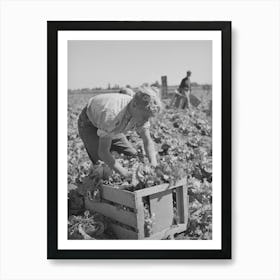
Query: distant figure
[185, 90]
[156, 84]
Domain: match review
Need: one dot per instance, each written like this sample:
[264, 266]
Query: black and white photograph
[139, 137]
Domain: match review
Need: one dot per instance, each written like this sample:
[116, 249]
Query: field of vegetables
[183, 139]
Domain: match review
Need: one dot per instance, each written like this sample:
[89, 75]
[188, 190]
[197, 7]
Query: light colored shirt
[109, 113]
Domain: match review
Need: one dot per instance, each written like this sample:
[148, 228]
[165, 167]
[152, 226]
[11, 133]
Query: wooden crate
[128, 223]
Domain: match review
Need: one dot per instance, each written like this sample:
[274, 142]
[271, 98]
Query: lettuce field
[183, 140]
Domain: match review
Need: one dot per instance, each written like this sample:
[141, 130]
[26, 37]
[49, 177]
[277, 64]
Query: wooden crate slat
[111, 211]
[140, 216]
[161, 205]
[160, 188]
[182, 204]
[167, 232]
[123, 233]
[119, 196]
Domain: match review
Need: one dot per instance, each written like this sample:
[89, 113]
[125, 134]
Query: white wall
[255, 139]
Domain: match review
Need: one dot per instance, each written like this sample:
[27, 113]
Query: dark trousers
[88, 134]
[185, 98]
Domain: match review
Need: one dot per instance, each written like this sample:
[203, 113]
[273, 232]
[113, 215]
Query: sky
[97, 63]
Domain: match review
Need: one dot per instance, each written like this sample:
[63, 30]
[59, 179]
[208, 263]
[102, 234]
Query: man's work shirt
[185, 84]
[109, 113]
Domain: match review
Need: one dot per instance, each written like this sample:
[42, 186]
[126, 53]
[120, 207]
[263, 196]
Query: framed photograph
[139, 140]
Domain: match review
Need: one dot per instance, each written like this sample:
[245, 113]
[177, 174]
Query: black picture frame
[52, 102]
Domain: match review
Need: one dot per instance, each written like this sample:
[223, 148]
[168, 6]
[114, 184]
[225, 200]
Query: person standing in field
[103, 123]
[185, 91]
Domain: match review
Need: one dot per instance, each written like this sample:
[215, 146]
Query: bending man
[107, 117]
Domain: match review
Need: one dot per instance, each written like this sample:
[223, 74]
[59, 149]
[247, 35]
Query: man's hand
[131, 178]
[127, 175]
[106, 156]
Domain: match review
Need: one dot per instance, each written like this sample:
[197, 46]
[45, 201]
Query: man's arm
[105, 155]
[149, 145]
